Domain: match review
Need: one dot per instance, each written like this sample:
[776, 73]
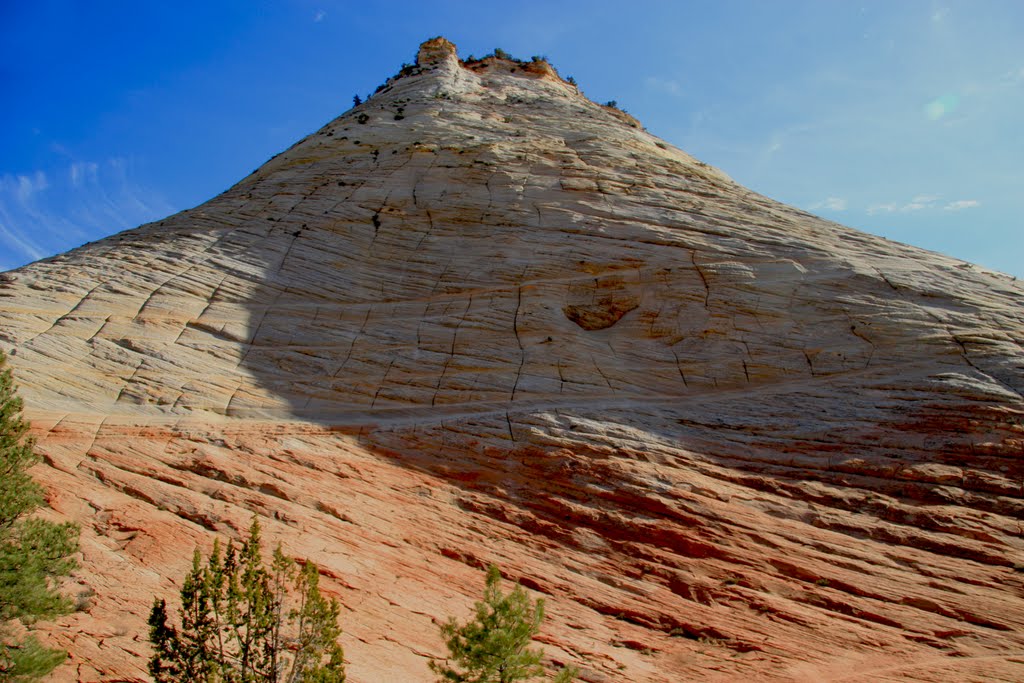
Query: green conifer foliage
[493, 647]
[33, 552]
[242, 622]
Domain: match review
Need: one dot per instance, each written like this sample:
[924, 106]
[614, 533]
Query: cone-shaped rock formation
[480, 318]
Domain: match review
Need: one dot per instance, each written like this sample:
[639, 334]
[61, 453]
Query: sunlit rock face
[480, 318]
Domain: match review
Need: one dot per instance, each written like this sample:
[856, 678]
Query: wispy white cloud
[60, 149]
[831, 203]
[319, 16]
[921, 201]
[44, 213]
[663, 85]
[24, 187]
[18, 202]
[20, 243]
[24, 193]
[940, 14]
[82, 171]
[961, 204]
[882, 208]
[917, 203]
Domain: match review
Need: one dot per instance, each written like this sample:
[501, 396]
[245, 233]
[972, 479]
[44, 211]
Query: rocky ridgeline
[479, 318]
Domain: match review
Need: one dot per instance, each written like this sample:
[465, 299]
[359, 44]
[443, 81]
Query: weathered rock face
[479, 319]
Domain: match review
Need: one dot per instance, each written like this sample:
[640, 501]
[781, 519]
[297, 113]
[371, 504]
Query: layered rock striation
[480, 318]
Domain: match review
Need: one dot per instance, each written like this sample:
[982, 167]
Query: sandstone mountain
[480, 318]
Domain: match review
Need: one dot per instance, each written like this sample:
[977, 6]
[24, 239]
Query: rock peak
[435, 50]
[440, 50]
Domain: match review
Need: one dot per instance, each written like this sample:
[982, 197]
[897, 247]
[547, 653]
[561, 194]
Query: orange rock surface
[479, 318]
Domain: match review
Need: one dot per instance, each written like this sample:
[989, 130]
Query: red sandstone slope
[481, 319]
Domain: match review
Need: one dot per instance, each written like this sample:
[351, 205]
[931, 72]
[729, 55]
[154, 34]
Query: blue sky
[899, 118]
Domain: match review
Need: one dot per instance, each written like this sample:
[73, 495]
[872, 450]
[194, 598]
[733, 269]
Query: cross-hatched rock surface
[480, 318]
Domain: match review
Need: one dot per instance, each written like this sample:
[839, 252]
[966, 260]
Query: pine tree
[493, 647]
[33, 552]
[242, 622]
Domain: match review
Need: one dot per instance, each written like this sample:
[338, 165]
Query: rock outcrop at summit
[480, 318]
